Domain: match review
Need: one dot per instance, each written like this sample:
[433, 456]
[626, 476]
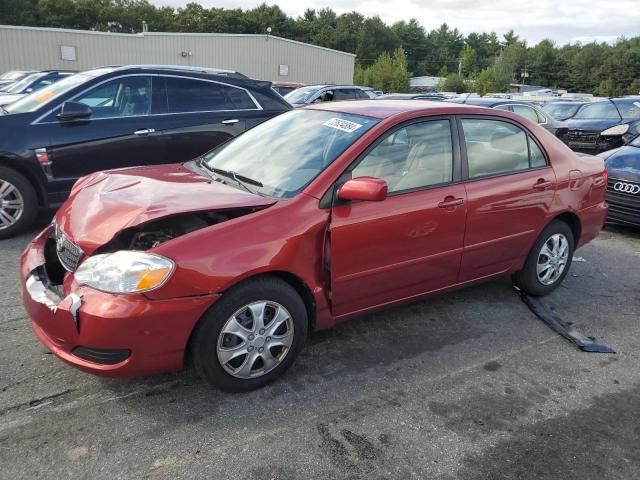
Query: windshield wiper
[239, 179]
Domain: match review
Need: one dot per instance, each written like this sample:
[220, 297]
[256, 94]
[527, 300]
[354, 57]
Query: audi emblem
[624, 187]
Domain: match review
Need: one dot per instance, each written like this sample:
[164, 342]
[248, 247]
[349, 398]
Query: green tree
[388, 73]
[413, 41]
[469, 60]
[374, 39]
[454, 83]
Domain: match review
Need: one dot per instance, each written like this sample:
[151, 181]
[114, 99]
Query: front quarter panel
[286, 237]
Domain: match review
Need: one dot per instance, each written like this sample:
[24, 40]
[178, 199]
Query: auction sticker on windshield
[344, 125]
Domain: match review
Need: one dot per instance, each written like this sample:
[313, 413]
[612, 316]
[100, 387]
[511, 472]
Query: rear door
[410, 243]
[510, 186]
[204, 113]
[123, 129]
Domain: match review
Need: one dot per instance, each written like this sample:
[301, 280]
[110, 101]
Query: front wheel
[548, 261]
[18, 203]
[251, 336]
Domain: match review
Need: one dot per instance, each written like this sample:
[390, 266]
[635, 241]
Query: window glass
[123, 97]
[361, 95]
[42, 83]
[345, 94]
[599, 110]
[494, 147]
[629, 110]
[326, 96]
[301, 95]
[561, 111]
[536, 157]
[418, 155]
[298, 145]
[188, 95]
[526, 112]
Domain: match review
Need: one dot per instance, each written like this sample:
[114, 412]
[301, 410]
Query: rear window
[189, 95]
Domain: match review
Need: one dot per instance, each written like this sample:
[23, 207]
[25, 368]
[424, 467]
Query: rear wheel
[251, 335]
[18, 203]
[548, 261]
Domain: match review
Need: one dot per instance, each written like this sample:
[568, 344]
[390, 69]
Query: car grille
[581, 136]
[68, 252]
[624, 207]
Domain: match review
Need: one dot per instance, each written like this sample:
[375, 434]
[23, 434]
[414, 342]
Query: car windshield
[12, 75]
[301, 95]
[20, 85]
[629, 110]
[43, 96]
[562, 111]
[598, 111]
[286, 153]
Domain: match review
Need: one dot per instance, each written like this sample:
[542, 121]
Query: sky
[562, 21]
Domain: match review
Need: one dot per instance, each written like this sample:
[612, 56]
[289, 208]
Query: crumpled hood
[105, 203]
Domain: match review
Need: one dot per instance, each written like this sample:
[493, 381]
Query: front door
[121, 131]
[410, 243]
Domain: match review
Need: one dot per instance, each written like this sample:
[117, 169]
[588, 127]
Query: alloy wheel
[11, 204]
[552, 259]
[255, 339]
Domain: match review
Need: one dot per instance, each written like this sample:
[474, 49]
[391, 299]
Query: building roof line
[175, 34]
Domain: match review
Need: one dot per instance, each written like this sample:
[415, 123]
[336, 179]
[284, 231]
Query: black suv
[116, 117]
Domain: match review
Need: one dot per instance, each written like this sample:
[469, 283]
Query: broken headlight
[125, 272]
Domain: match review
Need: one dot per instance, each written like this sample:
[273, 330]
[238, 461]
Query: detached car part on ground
[623, 190]
[605, 125]
[118, 117]
[314, 217]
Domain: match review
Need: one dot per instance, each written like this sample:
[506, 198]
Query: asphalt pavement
[468, 385]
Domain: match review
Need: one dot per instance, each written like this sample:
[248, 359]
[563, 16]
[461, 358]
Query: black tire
[527, 278]
[29, 197]
[208, 330]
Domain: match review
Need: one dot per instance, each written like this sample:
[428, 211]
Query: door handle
[230, 122]
[144, 131]
[451, 202]
[542, 184]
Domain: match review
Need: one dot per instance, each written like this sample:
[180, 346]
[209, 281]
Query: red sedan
[311, 218]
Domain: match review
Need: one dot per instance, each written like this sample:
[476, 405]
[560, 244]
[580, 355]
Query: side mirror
[368, 189]
[74, 111]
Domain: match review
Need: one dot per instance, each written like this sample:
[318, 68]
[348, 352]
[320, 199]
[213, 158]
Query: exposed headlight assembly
[617, 130]
[125, 271]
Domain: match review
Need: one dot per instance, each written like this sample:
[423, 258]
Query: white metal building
[264, 57]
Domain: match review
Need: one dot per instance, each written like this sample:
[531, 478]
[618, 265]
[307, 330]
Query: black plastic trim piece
[105, 357]
[565, 329]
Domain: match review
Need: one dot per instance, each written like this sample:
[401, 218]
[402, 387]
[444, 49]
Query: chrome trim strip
[253, 99]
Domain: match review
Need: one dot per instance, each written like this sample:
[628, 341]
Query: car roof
[333, 85]
[175, 68]
[388, 108]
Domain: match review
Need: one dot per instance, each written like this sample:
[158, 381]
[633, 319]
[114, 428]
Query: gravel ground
[468, 385]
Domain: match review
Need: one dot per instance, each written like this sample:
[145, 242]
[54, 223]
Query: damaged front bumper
[107, 334]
